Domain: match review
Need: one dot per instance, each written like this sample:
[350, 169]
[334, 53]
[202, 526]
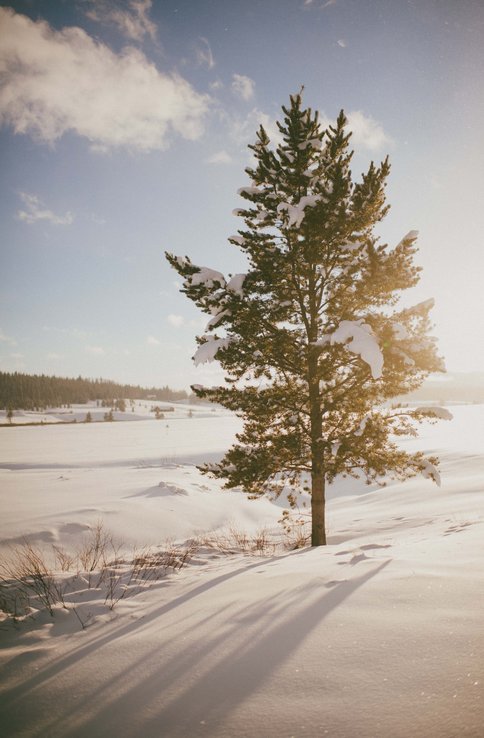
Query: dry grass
[234, 540]
[29, 584]
[297, 529]
[35, 580]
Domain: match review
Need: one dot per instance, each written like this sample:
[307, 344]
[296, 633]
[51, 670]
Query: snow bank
[378, 634]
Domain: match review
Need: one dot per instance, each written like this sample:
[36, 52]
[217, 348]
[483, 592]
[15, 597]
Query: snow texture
[429, 471]
[233, 645]
[352, 246]
[425, 305]
[235, 284]
[295, 213]
[362, 426]
[410, 236]
[180, 260]
[207, 351]
[216, 319]
[240, 240]
[408, 361]
[399, 331]
[314, 143]
[249, 191]
[434, 410]
[359, 339]
[205, 276]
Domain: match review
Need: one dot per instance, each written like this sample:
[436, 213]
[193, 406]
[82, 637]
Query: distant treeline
[36, 392]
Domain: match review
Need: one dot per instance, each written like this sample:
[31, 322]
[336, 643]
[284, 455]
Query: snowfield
[378, 635]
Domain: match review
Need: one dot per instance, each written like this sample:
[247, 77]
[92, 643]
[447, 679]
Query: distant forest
[37, 392]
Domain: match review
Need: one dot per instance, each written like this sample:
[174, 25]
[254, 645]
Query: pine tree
[311, 339]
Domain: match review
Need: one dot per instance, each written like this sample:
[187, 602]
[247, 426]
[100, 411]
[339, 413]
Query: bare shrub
[297, 529]
[27, 574]
[145, 566]
[233, 540]
[93, 553]
[14, 601]
[64, 561]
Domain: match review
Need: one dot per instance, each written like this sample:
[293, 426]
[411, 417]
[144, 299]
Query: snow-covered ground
[135, 410]
[380, 634]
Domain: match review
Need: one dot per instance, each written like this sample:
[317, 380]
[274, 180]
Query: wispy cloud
[131, 18]
[243, 86]
[36, 210]
[342, 42]
[95, 350]
[7, 339]
[312, 4]
[75, 332]
[13, 362]
[152, 341]
[220, 157]
[175, 320]
[59, 81]
[242, 130]
[204, 54]
[367, 132]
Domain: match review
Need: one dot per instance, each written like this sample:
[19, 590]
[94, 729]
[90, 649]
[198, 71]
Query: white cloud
[342, 42]
[243, 86]
[131, 18]
[52, 356]
[13, 362]
[204, 54]
[152, 341]
[220, 157]
[175, 320]
[243, 130]
[311, 3]
[7, 339]
[95, 350]
[36, 210]
[367, 132]
[75, 332]
[59, 81]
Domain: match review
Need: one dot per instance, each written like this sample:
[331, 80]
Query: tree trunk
[318, 526]
[318, 505]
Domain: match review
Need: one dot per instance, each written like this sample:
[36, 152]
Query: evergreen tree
[311, 338]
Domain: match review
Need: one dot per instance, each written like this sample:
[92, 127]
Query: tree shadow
[205, 680]
[112, 634]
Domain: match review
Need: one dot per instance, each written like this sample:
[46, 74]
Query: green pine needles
[311, 339]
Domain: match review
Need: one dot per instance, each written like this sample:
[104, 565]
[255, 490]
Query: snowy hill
[378, 634]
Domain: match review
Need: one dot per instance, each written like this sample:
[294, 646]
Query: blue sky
[124, 132]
